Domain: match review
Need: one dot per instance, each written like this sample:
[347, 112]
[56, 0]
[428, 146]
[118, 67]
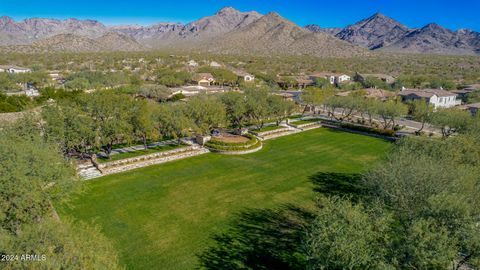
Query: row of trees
[343, 108]
[102, 119]
[449, 121]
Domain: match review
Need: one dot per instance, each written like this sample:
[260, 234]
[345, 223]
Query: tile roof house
[203, 79]
[439, 98]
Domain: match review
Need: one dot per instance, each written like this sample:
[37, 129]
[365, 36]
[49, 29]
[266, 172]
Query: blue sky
[452, 14]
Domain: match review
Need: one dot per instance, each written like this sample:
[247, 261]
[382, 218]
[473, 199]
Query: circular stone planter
[237, 152]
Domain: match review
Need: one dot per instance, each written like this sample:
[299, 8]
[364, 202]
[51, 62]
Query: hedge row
[257, 144]
[383, 132]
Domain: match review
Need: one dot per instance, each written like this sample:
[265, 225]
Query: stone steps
[88, 171]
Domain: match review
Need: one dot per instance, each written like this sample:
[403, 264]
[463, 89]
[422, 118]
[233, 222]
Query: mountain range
[232, 31]
[380, 32]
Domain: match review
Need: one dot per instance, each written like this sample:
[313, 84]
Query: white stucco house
[343, 78]
[192, 63]
[438, 98]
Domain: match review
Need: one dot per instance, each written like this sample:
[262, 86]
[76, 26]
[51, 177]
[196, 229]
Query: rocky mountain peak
[227, 11]
[374, 32]
[434, 28]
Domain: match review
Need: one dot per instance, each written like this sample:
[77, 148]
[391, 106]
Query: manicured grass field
[161, 217]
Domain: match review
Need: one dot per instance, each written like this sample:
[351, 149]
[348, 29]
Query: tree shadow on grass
[339, 184]
[260, 239]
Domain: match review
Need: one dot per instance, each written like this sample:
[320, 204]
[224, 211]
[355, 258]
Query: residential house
[383, 77]
[285, 95]
[192, 63]
[289, 82]
[14, 69]
[439, 98]
[333, 78]
[54, 75]
[203, 79]
[30, 92]
[215, 64]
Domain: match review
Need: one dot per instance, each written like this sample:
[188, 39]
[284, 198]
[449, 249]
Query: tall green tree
[451, 121]
[236, 108]
[207, 112]
[346, 236]
[144, 121]
[279, 108]
[422, 112]
[111, 114]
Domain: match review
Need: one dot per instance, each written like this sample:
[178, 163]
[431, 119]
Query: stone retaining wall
[154, 161]
[103, 166]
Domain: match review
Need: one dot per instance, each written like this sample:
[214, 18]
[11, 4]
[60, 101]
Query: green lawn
[142, 152]
[161, 217]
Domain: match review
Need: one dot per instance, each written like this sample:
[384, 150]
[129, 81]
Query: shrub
[379, 131]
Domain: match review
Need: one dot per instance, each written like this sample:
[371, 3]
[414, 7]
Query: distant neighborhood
[210, 76]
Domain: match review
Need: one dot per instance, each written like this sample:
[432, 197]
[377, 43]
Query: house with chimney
[438, 98]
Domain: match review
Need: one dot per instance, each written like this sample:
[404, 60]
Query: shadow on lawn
[339, 184]
[261, 239]
[273, 239]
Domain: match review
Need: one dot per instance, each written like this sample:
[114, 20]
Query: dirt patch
[227, 138]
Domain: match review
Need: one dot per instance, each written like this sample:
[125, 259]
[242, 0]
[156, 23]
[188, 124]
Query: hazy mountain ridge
[111, 41]
[434, 38]
[230, 30]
